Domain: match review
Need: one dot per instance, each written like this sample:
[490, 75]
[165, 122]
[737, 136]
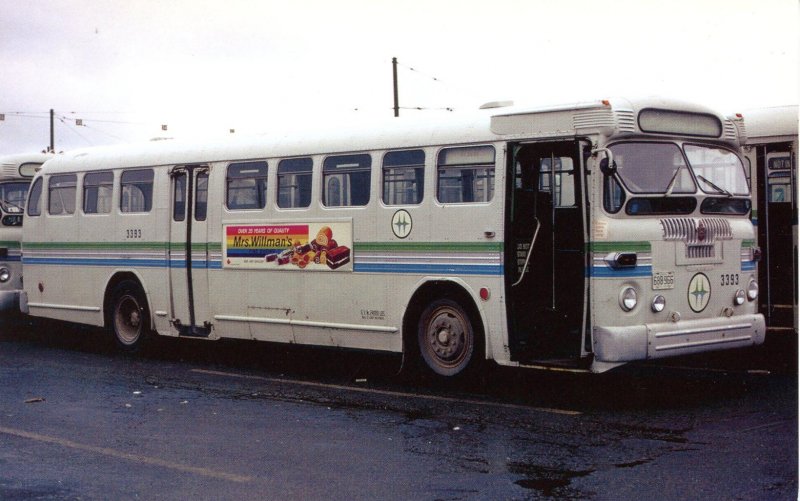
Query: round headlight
[752, 290]
[738, 298]
[627, 299]
[5, 275]
[658, 304]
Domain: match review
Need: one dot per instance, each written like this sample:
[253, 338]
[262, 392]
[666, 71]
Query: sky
[204, 68]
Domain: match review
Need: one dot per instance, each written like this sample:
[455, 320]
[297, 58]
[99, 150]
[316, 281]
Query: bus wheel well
[108, 295]
[429, 292]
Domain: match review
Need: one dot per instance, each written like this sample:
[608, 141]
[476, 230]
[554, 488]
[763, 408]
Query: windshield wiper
[672, 181]
[5, 203]
[721, 190]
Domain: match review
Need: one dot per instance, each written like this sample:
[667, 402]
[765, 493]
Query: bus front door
[188, 251]
[545, 251]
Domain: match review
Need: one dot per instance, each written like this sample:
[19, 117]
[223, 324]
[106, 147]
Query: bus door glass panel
[546, 304]
[189, 270]
[781, 219]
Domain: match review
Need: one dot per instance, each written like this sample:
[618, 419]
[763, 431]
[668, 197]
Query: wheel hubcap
[446, 335]
[128, 320]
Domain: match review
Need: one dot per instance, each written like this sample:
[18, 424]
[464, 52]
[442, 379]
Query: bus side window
[246, 186]
[34, 201]
[61, 194]
[97, 190]
[465, 175]
[201, 197]
[403, 177]
[613, 195]
[179, 197]
[137, 191]
[345, 180]
[294, 183]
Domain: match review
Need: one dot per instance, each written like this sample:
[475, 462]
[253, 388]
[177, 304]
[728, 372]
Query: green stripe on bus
[619, 247]
[9, 244]
[748, 243]
[428, 246]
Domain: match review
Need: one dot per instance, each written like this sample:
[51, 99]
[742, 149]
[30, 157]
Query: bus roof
[10, 164]
[485, 125]
[775, 122]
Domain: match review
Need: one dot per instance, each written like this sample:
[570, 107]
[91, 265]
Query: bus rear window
[137, 191]
[246, 186]
[61, 194]
[465, 175]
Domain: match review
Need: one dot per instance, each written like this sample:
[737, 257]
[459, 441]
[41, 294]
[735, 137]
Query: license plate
[663, 280]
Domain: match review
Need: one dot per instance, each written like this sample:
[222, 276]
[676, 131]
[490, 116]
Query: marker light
[627, 299]
[658, 304]
[752, 290]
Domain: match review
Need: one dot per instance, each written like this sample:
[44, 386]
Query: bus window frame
[405, 167]
[261, 185]
[440, 167]
[71, 181]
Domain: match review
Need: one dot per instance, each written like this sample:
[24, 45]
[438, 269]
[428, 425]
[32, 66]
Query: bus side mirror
[606, 169]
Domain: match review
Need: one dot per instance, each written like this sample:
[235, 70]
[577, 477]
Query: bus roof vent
[496, 104]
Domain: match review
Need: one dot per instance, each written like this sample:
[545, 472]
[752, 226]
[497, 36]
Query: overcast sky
[205, 67]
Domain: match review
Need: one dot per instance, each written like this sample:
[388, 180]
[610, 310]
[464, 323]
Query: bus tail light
[658, 304]
[5, 275]
[738, 298]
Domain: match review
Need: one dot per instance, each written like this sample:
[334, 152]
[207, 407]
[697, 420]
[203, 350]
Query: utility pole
[394, 79]
[52, 134]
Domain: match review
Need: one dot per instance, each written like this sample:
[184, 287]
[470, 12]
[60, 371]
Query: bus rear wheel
[446, 337]
[129, 316]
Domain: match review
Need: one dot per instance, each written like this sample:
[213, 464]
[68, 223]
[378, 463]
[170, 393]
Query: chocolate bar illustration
[338, 256]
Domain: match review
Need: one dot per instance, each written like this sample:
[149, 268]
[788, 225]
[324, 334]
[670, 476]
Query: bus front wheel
[129, 316]
[446, 337]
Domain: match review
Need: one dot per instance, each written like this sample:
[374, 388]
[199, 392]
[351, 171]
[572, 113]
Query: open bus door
[777, 214]
[545, 250]
[188, 251]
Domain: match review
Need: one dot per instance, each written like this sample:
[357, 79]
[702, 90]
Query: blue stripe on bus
[12, 259]
[748, 266]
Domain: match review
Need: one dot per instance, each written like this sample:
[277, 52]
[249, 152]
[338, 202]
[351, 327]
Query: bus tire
[446, 337]
[129, 316]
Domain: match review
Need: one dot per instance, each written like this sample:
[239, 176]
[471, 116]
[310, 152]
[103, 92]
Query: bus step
[194, 331]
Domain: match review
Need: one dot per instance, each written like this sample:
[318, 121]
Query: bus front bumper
[617, 345]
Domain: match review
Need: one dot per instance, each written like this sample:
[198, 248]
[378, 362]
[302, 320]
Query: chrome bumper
[615, 345]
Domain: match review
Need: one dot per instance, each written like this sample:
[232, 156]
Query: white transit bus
[16, 172]
[595, 234]
[771, 154]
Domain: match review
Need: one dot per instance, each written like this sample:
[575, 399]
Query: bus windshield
[653, 168]
[661, 168]
[12, 196]
[718, 170]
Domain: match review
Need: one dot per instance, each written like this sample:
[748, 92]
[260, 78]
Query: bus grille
[702, 232]
[699, 251]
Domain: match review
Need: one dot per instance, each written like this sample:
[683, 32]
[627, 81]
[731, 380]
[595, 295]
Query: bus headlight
[658, 304]
[5, 275]
[752, 290]
[738, 298]
[627, 299]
